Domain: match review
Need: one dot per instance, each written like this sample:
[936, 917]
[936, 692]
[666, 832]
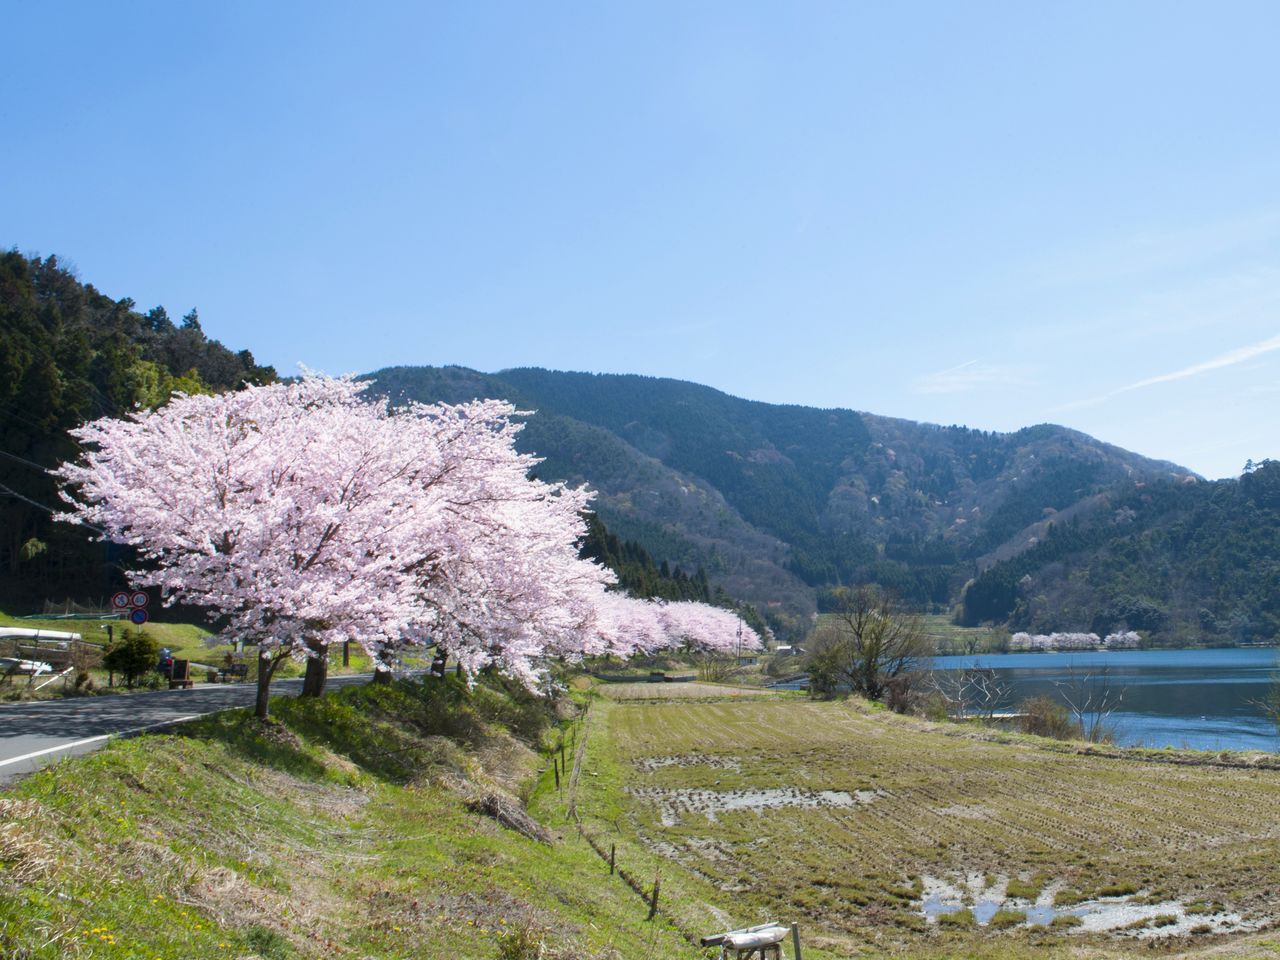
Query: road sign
[120, 600]
[139, 599]
[138, 616]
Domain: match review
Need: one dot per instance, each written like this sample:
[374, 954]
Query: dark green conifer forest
[69, 354]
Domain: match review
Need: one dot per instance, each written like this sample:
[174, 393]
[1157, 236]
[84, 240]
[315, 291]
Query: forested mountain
[1042, 529]
[1183, 561]
[69, 354]
[779, 501]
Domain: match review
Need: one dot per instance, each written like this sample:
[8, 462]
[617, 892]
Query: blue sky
[994, 214]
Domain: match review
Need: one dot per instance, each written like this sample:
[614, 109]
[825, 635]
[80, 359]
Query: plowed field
[851, 820]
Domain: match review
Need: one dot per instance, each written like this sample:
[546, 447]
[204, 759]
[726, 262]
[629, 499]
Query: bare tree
[975, 691]
[1092, 699]
[869, 645]
[1269, 704]
[716, 667]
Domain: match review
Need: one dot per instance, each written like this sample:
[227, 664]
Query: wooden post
[795, 940]
[562, 752]
[613, 849]
[657, 885]
[555, 765]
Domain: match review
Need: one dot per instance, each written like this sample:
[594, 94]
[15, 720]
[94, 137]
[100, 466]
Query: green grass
[1116, 890]
[339, 830]
[1025, 889]
[343, 829]
[1007, 918]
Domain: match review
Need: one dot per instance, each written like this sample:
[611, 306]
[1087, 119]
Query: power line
[24, 460]
[40, 506]
[11, 412]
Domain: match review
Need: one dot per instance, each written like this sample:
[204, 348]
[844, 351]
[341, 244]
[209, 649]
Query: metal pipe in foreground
[750, 938]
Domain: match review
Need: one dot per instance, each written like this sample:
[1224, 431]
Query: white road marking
[98, 738]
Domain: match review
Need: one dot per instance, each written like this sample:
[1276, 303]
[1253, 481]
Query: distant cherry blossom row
[302, 515]
[1128, 640]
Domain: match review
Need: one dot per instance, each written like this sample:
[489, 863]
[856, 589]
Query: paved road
[42, 731]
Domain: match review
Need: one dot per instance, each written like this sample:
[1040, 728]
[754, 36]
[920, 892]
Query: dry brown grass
[25, 853]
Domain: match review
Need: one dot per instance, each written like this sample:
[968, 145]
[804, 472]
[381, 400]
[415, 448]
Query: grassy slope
[340, 832]
[952, 804]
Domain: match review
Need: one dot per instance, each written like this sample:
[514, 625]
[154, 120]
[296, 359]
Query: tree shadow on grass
[270, 743]
[394, 732]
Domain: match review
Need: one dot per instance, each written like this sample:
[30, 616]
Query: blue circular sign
[138, 616]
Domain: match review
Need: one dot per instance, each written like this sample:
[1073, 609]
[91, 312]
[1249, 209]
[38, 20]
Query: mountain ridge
[1044, 528]
[781, 500]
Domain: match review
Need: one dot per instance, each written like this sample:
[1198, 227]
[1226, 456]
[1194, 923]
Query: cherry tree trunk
[381, 675]
[316, 675]
[266, 667]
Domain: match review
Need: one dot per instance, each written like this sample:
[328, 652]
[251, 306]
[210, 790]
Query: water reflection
[1199, 699]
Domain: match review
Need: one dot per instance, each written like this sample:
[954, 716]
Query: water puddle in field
[1132, 915]
[650, 764]
[678, 803]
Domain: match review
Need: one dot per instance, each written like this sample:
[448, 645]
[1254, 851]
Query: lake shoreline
[1198, 698]
[1154, 648]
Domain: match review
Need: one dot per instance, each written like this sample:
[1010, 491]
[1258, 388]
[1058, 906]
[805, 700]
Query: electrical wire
[24, 460]
[40, 506]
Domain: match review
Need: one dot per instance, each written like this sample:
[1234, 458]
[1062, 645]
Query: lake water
[1176, 698]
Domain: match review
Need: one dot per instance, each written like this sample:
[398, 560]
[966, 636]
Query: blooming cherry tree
[627, 626]
[699, 626]
[306, 515]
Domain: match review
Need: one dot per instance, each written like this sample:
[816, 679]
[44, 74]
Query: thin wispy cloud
[1164, 251]
[966, 377]
[1228, 359]
[1244, 443]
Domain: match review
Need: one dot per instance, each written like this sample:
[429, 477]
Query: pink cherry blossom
[304, 515]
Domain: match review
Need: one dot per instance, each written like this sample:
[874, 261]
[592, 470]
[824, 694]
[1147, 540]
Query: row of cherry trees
[303, 515]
